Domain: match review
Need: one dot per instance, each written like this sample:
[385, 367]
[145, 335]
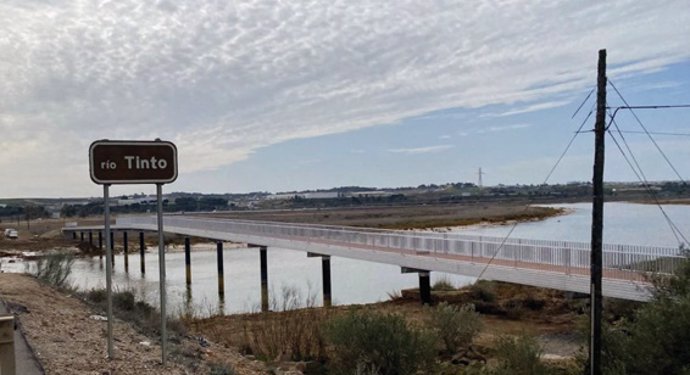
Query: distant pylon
[480, 173]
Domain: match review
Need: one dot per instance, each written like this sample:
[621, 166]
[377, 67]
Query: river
[353, 281]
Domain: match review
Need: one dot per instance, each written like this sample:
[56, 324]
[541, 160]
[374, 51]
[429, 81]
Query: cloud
[529, 108]
[500, 128]
[421, 150]
[224, 79]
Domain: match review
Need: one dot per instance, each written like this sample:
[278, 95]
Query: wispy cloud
[500, 128]
[224, 79]
[529, 108]
[421, 150]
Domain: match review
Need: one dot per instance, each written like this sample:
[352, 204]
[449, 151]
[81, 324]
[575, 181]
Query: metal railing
[629, 262]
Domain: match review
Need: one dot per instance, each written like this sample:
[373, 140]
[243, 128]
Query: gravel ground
[67, 340]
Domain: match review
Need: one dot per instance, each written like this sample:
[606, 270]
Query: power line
[582, 104]
[642, 178]
[641, 132]
[560, 158]
[630, 108]
[655, 133]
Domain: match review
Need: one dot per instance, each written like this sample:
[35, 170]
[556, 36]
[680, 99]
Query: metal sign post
[134, 162]
[108, 268]
[161, 263]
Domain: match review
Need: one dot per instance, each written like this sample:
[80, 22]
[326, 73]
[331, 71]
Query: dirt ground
[553, 324]
[67, 339]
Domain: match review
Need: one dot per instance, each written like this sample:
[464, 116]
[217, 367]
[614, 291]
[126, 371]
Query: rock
[145, 343]
[98, 317]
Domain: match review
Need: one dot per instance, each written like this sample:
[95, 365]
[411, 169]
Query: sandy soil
[67, 340]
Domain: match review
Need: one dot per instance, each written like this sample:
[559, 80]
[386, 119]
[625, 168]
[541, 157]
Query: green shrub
[482, 291]
[456, 326]
[124, 301]
[518, 356]
[443, 285]
[376, 343]
[54, 269]
[221, 369]
[96, 295]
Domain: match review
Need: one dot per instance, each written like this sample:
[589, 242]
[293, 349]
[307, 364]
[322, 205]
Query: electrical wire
[641, 177]
[628, 107]
[582, 104]
[548, 176]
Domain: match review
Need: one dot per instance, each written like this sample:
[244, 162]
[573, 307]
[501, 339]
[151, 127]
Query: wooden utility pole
[597, 219]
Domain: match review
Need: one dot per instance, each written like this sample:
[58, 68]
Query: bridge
[562, 265]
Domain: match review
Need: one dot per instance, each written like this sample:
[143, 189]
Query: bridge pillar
[81, 234]
[325, 277]
[263, 260]
[142, 252]
[221, 279]
[188, 261]
[90, 238]
[125, 250]
[424, 283]
[74, 235]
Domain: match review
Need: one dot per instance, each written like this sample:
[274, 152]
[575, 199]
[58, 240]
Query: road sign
[133, 162]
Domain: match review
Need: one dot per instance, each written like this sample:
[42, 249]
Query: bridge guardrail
[629, 262]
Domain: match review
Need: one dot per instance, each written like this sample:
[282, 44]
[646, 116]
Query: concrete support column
[188, 261]
[263, 258]
[74, 235]
[125, 250]
[81, 236]
[425, 287]
[424, 283]
[90, 238]
[326, 277]
[142, 252]
[221, 280]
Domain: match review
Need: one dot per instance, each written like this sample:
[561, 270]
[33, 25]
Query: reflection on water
[290, 275]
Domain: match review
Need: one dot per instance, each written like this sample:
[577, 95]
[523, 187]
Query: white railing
[619, 261]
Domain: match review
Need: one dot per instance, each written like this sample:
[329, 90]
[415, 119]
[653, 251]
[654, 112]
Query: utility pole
[597, 219]
[480, 173]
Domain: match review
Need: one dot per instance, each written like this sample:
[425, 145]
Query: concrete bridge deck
[559, 265]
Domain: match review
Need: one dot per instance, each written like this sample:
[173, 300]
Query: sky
[291, 95]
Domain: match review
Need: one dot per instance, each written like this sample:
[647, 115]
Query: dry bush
[293, 334]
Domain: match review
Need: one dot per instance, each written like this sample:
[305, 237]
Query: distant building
[320, 195]
[137, 200]
[370, 193]
[276, 197]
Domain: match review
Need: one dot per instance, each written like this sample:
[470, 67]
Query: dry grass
[404, 217]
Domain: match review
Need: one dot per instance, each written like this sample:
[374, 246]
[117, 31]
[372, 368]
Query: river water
[624, 223]
[353, 281]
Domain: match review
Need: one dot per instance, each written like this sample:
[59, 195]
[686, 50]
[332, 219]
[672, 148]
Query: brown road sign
[133, 162]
